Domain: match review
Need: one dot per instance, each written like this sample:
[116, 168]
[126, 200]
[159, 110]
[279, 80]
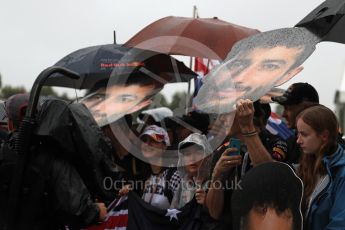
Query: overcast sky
[37, 33]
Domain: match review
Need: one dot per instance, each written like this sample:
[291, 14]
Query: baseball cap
[16, 106]
[297, 93]
[157, 133]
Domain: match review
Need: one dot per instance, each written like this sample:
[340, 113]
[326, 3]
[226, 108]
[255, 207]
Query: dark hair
[319, 118]
[269, 185]
[261, 114]
[288, 37]
[299, 108]
[134, 78]
[15, 107]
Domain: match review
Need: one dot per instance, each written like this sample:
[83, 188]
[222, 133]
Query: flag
[143, 216]
[117, 217]
[277, 127]
[202, 66]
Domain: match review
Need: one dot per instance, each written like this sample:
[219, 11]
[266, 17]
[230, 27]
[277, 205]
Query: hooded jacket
[187, 188]
[327, 210]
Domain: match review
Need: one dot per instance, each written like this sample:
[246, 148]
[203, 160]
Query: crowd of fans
[205, 170]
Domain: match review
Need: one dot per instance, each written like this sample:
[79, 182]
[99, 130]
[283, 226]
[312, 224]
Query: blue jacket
[327, 211]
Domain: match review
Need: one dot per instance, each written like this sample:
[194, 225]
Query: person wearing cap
[295, 99]
[154, 116]
[298, 97]
[160, 182]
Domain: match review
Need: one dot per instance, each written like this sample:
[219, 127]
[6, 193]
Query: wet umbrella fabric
[327, 21]
[101, 62]
[200, 37]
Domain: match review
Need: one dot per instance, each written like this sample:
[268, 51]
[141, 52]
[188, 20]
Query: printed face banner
[254, 66]
[269, 198]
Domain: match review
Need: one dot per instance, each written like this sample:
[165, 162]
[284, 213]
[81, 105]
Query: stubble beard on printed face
[103, 119]
[209, 101]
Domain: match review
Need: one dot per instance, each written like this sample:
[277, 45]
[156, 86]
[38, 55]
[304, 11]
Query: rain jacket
[187, 187]
[65, 172]
[327, 210]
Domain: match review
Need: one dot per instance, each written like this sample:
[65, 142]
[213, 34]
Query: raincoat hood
[189, 184]
[200, 140]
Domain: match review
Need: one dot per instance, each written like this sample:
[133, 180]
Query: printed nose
[242, 75]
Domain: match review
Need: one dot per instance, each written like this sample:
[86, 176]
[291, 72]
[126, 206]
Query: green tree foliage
[8, 91]
[48, 91]
[279, 110]
[159, 100]
[64, 96]
[178, 103]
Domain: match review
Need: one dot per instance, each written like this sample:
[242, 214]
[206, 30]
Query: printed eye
[126, 98]
[237, 64]
[95, 98]
[98, 97]
[270, 66]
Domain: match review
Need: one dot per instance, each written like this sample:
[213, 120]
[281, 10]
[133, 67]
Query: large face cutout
[108, 104]
[253, 67]
[269, 197]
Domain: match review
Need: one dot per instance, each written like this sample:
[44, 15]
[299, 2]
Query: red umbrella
[200, 37]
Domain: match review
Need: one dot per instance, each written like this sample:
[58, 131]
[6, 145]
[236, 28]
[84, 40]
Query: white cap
[157, 133]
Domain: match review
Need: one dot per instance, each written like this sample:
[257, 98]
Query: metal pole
[188, 97]
[114, 36]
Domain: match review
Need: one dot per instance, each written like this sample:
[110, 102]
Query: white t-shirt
[155, 189]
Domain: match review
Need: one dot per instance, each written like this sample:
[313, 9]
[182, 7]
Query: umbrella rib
[176, 72]
[152, 75]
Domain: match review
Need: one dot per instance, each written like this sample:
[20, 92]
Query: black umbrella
[327, 21]
[100, 62]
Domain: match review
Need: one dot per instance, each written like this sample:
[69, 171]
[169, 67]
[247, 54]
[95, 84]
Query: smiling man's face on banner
[254, 66]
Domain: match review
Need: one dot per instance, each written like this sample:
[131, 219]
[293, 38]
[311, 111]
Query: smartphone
[235, 143]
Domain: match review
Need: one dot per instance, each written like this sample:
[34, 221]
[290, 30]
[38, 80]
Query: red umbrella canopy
[200, 37]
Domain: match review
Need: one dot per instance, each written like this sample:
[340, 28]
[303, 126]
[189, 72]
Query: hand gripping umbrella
[327, 21]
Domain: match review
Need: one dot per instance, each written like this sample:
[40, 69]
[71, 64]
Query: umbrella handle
[39, 82]
[23, 140]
